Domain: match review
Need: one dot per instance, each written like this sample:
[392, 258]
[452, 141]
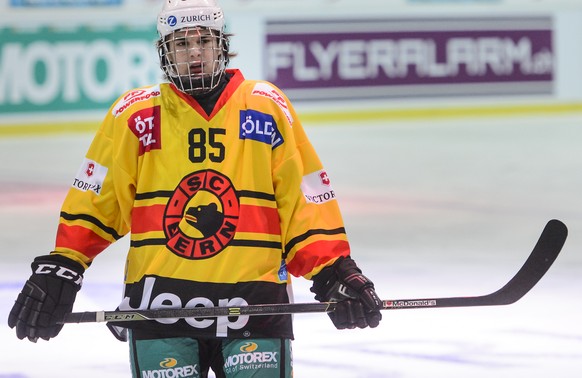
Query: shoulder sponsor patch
[260, 127]
[136, 95]
[146, 126]
[90, 176]
[316, 188]
[267, 90]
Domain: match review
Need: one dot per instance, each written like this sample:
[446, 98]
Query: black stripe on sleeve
[90, 219]
[293, 242]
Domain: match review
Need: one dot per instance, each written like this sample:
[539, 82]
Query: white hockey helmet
[179, 14]
[192, 16]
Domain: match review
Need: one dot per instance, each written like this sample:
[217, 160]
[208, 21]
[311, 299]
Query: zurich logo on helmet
[172, 20]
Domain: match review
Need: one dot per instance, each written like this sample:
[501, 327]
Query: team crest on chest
[201, 217]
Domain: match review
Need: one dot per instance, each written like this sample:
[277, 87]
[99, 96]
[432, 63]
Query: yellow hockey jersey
[220, 207]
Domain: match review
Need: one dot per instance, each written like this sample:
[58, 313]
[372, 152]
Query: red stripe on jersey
[259, 219]
[316, 254]
[147, 218]
[80, 239]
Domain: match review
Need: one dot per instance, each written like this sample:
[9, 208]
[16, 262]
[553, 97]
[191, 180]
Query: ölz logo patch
[145, 124]
[260, 127]
[90, 176]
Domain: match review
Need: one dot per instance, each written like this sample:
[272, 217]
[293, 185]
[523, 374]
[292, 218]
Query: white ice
[432, 209]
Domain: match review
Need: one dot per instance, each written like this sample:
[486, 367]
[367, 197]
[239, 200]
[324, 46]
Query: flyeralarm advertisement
[371, 58]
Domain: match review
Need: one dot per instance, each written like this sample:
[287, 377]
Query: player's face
[194, 51]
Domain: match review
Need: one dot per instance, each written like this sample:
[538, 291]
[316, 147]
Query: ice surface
[432, 209]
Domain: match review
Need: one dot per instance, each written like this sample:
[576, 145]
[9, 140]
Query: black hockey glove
[358, 304]
[46, 297]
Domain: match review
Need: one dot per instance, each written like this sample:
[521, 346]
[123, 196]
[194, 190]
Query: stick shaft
[537, 264]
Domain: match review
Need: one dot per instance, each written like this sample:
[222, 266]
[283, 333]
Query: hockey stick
[537, 264]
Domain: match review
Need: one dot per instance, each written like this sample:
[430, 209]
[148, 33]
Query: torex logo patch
[260, 127]
[316, 188]
[90, 176]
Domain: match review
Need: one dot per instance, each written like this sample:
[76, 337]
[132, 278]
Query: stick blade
[535, 267]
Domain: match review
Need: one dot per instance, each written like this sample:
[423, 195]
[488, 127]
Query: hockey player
[223, 195]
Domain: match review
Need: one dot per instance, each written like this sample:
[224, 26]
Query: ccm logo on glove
[59, 271]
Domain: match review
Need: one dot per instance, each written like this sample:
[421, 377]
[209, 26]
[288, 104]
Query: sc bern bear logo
[206, 218]
[201, 216]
